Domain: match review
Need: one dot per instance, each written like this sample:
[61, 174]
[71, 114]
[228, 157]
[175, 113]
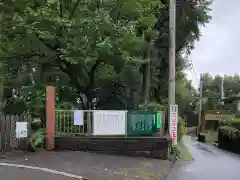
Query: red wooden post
[50, 114]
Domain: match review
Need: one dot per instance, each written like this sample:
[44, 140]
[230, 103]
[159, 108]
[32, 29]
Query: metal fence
[64, 123]
[142, 124]
[8, 140]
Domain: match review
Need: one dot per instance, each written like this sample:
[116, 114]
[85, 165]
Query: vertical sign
[159, 120]
[173, 122]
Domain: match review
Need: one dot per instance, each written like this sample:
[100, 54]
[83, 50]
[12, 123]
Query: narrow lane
[209, 163]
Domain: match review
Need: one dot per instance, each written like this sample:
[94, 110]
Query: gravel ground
[89, 165]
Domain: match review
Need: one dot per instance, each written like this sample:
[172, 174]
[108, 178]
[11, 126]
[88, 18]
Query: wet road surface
[209, 163]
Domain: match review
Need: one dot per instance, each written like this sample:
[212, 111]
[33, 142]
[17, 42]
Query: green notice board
[141, 123]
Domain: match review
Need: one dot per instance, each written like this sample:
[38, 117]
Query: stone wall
[155, 147]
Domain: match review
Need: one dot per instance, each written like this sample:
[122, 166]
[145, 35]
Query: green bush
[234, 122]
[152, 106]
[229, 137]
[175, 151]
[229, 131]
[181, 128]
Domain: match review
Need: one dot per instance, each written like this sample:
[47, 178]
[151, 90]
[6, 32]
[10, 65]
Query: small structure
[212, 117]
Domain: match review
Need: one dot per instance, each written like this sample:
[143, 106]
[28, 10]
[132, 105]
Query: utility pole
[222, 89]
[200, 104]
[172, 51]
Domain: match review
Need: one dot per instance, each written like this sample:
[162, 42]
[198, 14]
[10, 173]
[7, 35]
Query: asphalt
[11, 173]
[91, 166]
[209, 163]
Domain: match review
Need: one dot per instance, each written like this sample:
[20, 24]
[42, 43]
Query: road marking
[44, 170]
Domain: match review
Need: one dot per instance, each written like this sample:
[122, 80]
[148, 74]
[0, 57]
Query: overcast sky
[218, 51]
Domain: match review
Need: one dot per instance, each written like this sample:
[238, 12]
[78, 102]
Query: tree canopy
[110, 52]
[212, 91]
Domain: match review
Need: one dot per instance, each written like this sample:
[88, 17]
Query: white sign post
[173, 122]
[21, 129]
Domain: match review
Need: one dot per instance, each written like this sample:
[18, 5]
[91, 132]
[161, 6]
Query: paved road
[47, 165]
[13, 173]
[209, 163]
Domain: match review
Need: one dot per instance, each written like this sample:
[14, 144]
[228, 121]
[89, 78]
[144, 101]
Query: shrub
[236, 124]
[181, 128]
[229, 138]
[152, 106]
[233, 122]
[175, 151]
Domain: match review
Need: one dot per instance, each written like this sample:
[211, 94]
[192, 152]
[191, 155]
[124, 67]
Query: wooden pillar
[50, 114]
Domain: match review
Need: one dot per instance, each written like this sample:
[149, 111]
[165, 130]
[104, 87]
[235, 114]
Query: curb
[173, 161]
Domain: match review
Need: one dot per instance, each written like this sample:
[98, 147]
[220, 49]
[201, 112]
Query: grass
[210, 136]
[184, 153]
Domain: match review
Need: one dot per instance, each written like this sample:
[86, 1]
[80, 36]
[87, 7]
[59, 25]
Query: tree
[114, 51]
[76, 37]
[212, 90]
[189, 19]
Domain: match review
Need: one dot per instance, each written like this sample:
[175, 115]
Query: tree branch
[22, 56]
[50, 46]
[91, 75]
[74, 9]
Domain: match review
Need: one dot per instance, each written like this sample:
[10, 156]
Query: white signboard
[109, 122]
[173, 122]
[78, 117]
[21, 129]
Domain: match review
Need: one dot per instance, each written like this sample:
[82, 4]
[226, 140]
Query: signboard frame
[102, 125]
[143, 132]
[21, 130]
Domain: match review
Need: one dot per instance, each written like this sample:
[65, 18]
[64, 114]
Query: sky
[218, 50]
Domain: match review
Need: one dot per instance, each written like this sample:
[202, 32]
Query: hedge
[229, 136]
[181, 128]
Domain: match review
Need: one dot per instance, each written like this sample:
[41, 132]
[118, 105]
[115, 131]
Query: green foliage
[181, 152]
[230, 127]
[231, 122]
[229, 134]
[36, 138]
[179, 149]
[175, 151]
[181, 129]
[152, 106]
[211, 91]
[229, 131]
[229, 138]
[95, 50]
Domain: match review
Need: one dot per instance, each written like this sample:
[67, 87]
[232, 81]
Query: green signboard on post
[141, 123]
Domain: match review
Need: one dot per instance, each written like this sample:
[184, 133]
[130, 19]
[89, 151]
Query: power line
[189, 58]
[193, 69]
